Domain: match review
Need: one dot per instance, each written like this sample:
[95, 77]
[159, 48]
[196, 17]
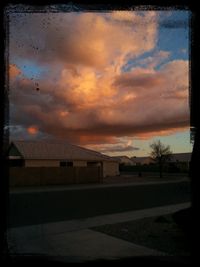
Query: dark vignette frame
[78, 5]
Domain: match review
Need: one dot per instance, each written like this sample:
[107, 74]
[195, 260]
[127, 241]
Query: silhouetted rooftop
[45, 150]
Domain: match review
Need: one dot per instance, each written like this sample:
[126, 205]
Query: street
[29, 208]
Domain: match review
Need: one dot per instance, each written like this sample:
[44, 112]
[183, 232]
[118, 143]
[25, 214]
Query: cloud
[156, 133]
[117, 145]
[85, 97]
[142, 78]
[14, 71]
[171, 78]
[88, 39]
[119, 148]
[33, 130]
[153, 61]
[90, 114]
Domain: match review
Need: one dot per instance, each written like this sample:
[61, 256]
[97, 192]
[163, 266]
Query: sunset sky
[110, 81]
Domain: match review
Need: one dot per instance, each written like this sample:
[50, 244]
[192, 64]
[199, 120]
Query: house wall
[110, 168]
[41, 163]
[147, 161]
[52, 163]
[80, 163]
[182, 166]
[127, 162]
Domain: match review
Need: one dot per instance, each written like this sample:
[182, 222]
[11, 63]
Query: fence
[38, 176]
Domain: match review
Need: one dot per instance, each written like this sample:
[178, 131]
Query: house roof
[59, 151]
[122, 157]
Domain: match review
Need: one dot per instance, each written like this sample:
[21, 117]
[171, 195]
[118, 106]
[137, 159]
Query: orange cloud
[63, 113]
[33, 130]
[96, 139]
[92, 108]
[86, 97]
[14, 71]
[86, 39]
[149, 135]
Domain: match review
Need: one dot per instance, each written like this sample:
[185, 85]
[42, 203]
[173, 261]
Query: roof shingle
[59, 151]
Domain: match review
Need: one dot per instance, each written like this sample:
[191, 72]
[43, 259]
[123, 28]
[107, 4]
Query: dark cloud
[119, 148]
[138, 80]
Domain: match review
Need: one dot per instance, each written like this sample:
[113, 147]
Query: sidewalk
[74, 241]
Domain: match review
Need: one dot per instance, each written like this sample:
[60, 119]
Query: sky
[111, 81]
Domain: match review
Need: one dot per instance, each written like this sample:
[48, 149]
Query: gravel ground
[160, 233]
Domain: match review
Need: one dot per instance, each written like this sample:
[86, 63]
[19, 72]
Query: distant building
[177, 162]
[43, 154]
[180, 161]
[142, 160]
[124, 160]
[181, 157]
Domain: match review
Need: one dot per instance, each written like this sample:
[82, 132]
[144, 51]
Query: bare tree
[160, 154]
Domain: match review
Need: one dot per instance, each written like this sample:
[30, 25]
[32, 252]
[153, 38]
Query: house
[181, 157]
[124, 160]
[177, 162]
[44, 154]
[142, 160]
[180, 161]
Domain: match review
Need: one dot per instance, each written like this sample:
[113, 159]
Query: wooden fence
[39, 176]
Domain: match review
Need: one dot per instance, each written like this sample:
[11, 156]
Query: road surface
[28, 208]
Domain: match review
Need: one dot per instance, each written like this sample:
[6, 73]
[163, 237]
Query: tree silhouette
[160, 154]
